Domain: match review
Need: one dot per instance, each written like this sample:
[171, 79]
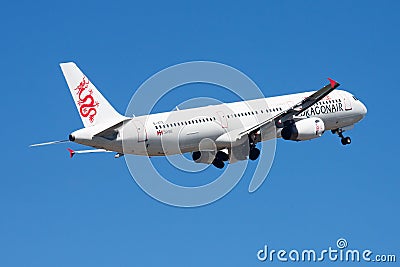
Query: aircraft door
[223, 119]
[141, 130]
[347, 102]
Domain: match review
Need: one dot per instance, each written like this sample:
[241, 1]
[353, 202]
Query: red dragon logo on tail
[86, 103]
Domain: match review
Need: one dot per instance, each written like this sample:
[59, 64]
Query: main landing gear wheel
[218, 163]
[254, 153]
[345, 140]
[220, 157]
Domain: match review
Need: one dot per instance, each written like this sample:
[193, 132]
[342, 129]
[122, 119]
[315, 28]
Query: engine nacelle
[203, 156]
[306, 129]
[209, 156]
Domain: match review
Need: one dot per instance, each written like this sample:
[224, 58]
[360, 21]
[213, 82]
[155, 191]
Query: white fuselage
[182, 131]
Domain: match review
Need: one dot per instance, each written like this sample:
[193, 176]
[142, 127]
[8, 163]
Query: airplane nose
[363, 109]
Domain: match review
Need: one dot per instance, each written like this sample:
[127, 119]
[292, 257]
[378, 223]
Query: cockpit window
[355, 98]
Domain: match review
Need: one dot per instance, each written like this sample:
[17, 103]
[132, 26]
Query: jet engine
[209, 157]
[305, 129]
[203, 156]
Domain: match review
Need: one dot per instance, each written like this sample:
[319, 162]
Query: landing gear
[345, 140]
[254, 152]
[220, 157]
[218, 163]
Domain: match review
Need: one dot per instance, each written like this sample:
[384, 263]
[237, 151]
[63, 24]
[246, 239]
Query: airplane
[232, 129]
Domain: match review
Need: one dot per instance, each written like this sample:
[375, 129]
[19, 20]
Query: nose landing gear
[345, 140]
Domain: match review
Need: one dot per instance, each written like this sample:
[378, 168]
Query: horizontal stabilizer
[50, 143]
[73, 152]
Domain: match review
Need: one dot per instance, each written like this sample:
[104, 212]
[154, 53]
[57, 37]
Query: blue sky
[88, 211]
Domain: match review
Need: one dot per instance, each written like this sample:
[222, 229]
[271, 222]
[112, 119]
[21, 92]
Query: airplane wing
[295, 110]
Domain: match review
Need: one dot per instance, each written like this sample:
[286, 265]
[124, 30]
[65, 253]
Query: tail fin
[92, 106]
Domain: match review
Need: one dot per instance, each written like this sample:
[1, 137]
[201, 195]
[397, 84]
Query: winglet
[71, 152]
[334, 84]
